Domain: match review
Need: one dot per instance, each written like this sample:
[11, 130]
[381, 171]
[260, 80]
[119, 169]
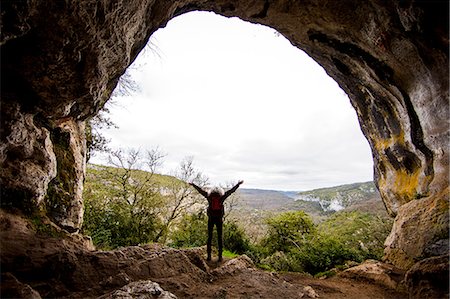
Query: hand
[240, 182]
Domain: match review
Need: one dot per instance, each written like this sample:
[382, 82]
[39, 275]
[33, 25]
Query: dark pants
[212, 220]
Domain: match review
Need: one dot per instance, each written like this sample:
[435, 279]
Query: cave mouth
[391, 58]
[242, 101]
[256, 84]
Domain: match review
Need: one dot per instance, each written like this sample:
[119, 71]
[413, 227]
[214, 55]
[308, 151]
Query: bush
[361, 232]
[280, 261]
[111, 225]
[193, 232]
[294, 243]
[234, 238]
[323, 252]
[257, 253]
[286, 230]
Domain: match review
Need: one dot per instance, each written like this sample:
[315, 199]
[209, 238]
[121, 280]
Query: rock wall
[62, 59]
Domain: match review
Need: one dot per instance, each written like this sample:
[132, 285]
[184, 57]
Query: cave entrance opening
[245, 103]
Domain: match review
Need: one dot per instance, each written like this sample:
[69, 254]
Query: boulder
[429, 278]
[143, 289]
[376, 272]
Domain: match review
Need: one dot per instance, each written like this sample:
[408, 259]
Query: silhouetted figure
[215, 197]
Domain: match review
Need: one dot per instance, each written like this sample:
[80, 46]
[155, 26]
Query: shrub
[323, 252]
[193, 232]
[234, 238]
[363, 233]
[280, 261]
[287, 230]
[293, 243]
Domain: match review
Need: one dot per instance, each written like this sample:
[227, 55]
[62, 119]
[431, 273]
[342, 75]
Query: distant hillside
[317, 202]
[262, 199]
[97, 173]
[339, 197]
[255, 205]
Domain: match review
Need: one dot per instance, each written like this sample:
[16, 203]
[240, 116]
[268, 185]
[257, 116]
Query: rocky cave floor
[39, 261]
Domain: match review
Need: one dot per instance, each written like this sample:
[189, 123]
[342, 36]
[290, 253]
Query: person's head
[216, 191]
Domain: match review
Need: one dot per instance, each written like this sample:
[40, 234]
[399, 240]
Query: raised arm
[231, 191]
[200, 190]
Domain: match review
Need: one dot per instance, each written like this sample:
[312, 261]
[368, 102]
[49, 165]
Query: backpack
[216, 204]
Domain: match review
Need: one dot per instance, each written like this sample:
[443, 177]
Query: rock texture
[12, 288]
[140, 289]
[40, 261]
[429, 278]
[376, 272]
[62, 59]
[64, 203]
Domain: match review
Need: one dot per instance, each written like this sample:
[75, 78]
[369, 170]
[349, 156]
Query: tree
[231, 202]
[180, 197]
[127, 211]
[192, 232]
[364, 233]
[287, 230]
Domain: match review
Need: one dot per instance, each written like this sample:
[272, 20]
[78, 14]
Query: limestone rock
[233, 266]
[310, 292]
[429, 278]
[140, 290]
[420, 230]
[376, 272]
[195, 255]
[27, 160]
[64, 201]
[62, 267]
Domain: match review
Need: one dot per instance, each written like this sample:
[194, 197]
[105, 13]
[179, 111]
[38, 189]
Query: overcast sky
[245, 103]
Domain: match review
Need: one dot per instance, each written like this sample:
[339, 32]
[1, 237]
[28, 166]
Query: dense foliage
[192, 232]
[287, 230]
[114, 216]
[124, 206]
[295, 244]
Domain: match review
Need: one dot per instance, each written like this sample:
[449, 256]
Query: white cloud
[245, 103]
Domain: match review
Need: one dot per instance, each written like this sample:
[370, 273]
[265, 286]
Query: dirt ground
[255, 283]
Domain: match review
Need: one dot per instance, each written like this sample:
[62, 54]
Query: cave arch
[268, 95]
[61, 61]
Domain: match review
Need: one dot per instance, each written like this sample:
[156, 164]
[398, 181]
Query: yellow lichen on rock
[382, 144]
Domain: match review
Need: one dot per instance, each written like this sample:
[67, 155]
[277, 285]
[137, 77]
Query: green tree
[96, 142]
[125, 211]
[287, 230]
[364, 233]
[180, 197]
[192, 232]
[234, 238]
[295, 244]
[321, 252]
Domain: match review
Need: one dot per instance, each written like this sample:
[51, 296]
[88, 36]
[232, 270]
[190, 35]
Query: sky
[244, 104]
